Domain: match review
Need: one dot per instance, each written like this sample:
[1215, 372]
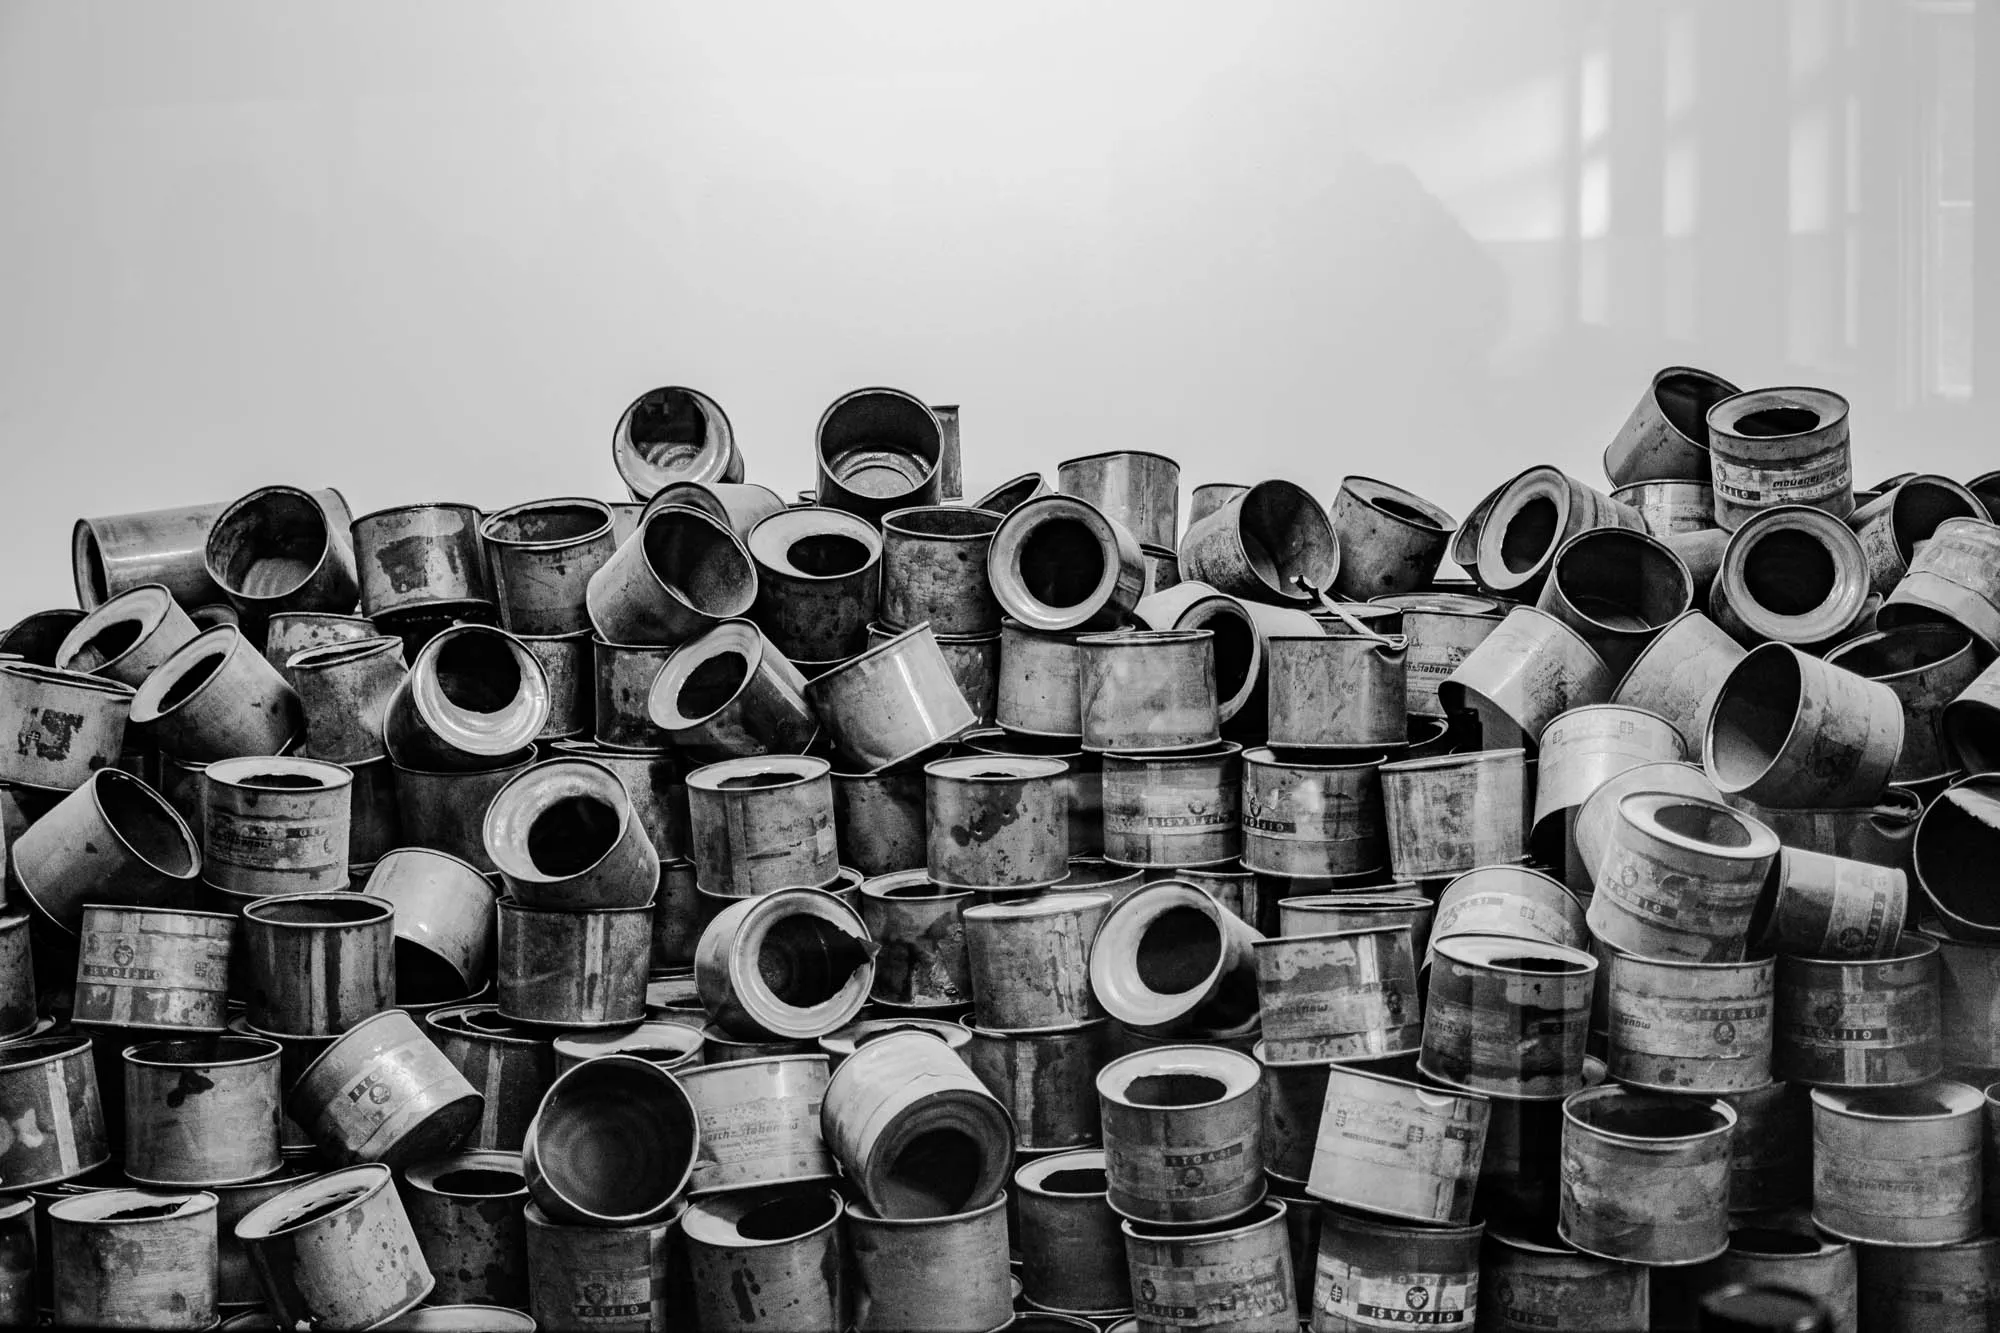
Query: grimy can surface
[1341, 996]
[1507, 1017]
[996, 821]
[1047, 1080]
[1384, 905]
[1691, 1027]
[319, 963]
[1793, 1258]
[1440, 631]
[879, 820]
[1141, 691]
[383, 1092]
[768, 1262]
[921, 940]
[134, 1259]
[1779, 446]
[510, 1065]
[930, 1275]
[201, 1111]
[1523, 675]
[1898, 1166]
[1030, 961]
[1645, 1175]
[573, 969]
[1294, 1094]
[276, 825]
[607, 1279]
[17, 1261]
[1770, 1158]
[446, 811]
[466, 1211]
[1374, 1273]
[1037, 690]
[1931, 1289]
[17, 978]
[1537, 1285]
[762, 824]
[1396, 1148]
[1676, 676]
[1337, 691]
[905, 1089]
[759, 1123]
[1313, 820]
[1183, 1134]
[1838, 748]
[51, 1082]
[1666, 435]
[144, 968]
[1072, 1250]
[1680, 877]
[1234, 1276]
[1833, 907]
[1181, 810]
[1859, 1022]
[1448, 814]
[1516, 1185]
[1953, 574]
[1510, 900]
[1586, 746]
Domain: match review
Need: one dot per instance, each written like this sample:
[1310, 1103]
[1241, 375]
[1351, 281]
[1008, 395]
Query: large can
[1235, 1276]
[1898, 1166]
[1544, 1286]
[607, 1279]
[1374, 1273]
[1398, 1149]
[760, 1123]
[1172, 1108]
[1645, 1175]
[134, 1259]
[1869, 1022]
[153, 969]
[770, 1262]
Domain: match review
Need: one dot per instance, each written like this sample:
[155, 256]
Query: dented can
[1235, 1275]
[996, 822]
[1174, 810]
[1857, 1023]
[915, 923]
[1371, 1271]
[1348, 995]
[1898, 1166]
[467, 1213]
[1398, 1149]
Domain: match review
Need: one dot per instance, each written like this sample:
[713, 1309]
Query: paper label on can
[1800, 482]
[1431, 1150]
[1824, 1017]
[382, 1087]
[1722, 1028]
[139, 958]
[600, 1295]
[1540, 1051]
[1182, 1174]
[266, 844]
[1394, 1300]
[1897, 1187]
[1858, 919]
[760, 1128]
[1209, 1294]
[1535, 1301]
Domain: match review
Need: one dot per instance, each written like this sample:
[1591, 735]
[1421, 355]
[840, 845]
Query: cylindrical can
[612, 1145]
[1666, 435]
[1149, 690]
[1273, 543]
[1680, 877]
[1932, 1288]
[1072, 1250]
[1616, 588]
[1037, 687]
[1439, 630]
[421, 557]
[337, 1251]
[473, 696]
[275, 825]
[382, 1092]
[1645, 1175]
[879, 820]
[1859, 1022]
[1388, 905]
[675, 437]
[622, 680]
[235, 1280]
[609, 1279]
[1009, 495]
[1294, 1095]
[1313, 820]
[1171, 1108]
[1337, 691]
[1447, 814]
[1509, 900]
[1169, 957]
[113, 837]
[1779, 446]
[1690, 1027]
[1793, 1258]
[1372, 1272]
[878, 450]
[1898, 1166]
[1529, 670]
[934, 569]
[17, 979]
[466, 1211]
[569, 666]
[344, 690]
[996, 821]
[1677, 675]
[319, 963]
[134, 1259]
[675, 1047]
[769, 1262]
[819, 575]
[148, 969]
[289, 633]
[1927, 666]
[126, 638]
[1396, 1148]
[1585, 747]
[677, 923]
[443, 924]
[201, 1111]
[1136, 489]
[762, 824]
[916, 1132]
[1790, 574]
[1391, 541]
[891, 703]
[1234, 1275]
[1174, 810]
[1831, 907]
[1671, 508]
[120, 551]
[446, 811]
[679, 574]
[573, 969]
[1343, 996]
[215, 698]
[1597, 817]
[1029, 961]
[845, 1041]
[1788, 729]
[654, 783]
[915, 924]
[1536, 1285]
[1046, 1080]
[794, 963]
[1953, 839]
[1529, 519]
[512, 1066]
[1507, 1017]
[730, 693]
[930, 1274]
[1238, 641]
[1516, 1185]
[50, 1083]
[282, 549]
[564, 836]
[760, 1123]
[1059, 563]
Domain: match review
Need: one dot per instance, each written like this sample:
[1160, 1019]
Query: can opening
[142, 1214]
[193, 676]
[318, 911]
[481, 1181]
[713, 683]
[699, 559]
[572, 835]
[146, 823]
[1771, 422]
[1530, 531]
[614, 1137]
[782, 1219]
[925, 889]
[1906, 648]
[282, 782]
[1408, 513]
[1178, 951]
[548, 523]
[944, 521]
[1753, 716]
[667, 428]
[1650, 1118]
[934, 1174]
[477, 672]
[110, 642]
[424, 978]
[1062, 562]
[319, 1208]
[1772, 1240]
[752, 781]
[1898, 1102]
[1235, 647]
[1076, 1180]
[1789, 572]
[1530, 963]
[805, 961]
[1684, 401]
[1175, 1090]
[1701, 823]
[269, 545]
[826, 555]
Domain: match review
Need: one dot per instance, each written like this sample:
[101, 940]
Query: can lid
[1741, 1308]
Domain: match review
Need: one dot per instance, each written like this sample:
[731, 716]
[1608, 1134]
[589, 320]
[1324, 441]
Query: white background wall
[429, 251]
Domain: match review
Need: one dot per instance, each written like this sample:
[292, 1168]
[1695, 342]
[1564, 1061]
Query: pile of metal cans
[876, 909]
